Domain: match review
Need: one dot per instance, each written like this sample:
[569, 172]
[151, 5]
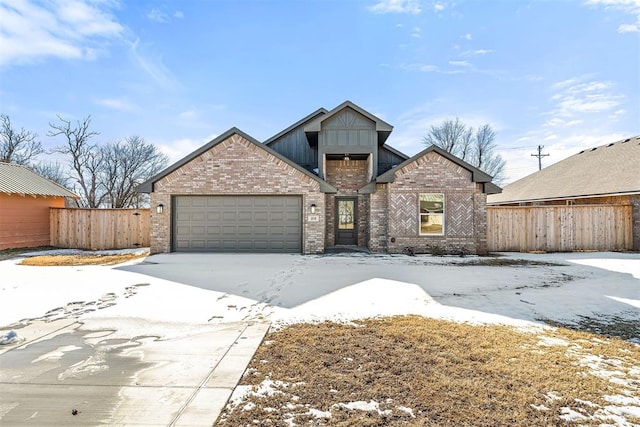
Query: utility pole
[540, 156]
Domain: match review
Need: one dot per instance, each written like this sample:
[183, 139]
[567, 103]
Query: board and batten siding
[24, 220]
[295, 147]
[100, 229]
[559, 228]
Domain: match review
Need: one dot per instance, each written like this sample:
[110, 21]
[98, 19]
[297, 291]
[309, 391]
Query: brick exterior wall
[236, 166]
[394, 214]
[347, 176]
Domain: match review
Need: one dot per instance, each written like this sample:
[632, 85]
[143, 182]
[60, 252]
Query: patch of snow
[316, 413]
[539, 407]
[569, 414]
[266, 388]
[54, 252]
[551, 396]
[586, 403]
[624, 411]
[552, 342]
[56, 354]
[623, 400]
[405, 409]
[361, 405]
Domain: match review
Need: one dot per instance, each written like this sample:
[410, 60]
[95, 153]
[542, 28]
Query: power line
[540, 156]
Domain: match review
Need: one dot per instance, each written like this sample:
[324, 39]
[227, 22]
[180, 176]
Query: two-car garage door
[237, 224]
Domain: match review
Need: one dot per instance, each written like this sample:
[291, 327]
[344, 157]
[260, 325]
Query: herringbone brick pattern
[459, 212]
[403, 213]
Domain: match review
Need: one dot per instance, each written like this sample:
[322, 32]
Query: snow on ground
[128, 302]
[478, 294]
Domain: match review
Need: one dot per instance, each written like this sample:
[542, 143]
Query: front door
[346, 225]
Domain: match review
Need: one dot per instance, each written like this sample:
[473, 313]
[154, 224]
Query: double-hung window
[431, 214]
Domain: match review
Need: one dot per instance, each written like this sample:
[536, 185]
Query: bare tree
[54, 172]
[20, 147]
[86, 159]
[127, 164]
[448, 135]
[476, 147]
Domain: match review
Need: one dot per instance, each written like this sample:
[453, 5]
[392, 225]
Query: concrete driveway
[560, 286]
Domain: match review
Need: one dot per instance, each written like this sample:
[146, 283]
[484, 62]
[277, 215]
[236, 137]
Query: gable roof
[309, 117]
[383, 128]
[17, 179]
[476, 174]
[147, 186]
[610, 169]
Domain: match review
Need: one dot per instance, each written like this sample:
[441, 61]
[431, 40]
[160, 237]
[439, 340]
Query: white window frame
[421, 214]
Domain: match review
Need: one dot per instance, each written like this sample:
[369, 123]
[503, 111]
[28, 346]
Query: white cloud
[439, 7]
[179, 148]
[576, 97]
[152, 65]
[629, 28]
[460, 63]
[467, 36]
[482, 51]
[162, 17]
[158, 16]
[396, 6]
[428, 68]
[120, 104]
[416, 33]
[631, 7]
[69, 29]
[581, 115]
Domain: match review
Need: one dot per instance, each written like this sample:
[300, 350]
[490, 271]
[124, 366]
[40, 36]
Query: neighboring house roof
[611, 169]
[147, 186]
[309, 117]
[17, 179]
[476, 174]
[383, 128]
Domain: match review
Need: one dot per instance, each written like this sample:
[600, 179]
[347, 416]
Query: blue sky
[563, 74]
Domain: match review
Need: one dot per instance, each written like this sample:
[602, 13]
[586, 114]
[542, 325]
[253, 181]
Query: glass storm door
[346, 229]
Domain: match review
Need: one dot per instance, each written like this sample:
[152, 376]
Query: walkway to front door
[346, 225]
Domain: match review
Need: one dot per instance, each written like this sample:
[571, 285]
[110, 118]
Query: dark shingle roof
[16, 179]
[610, 169]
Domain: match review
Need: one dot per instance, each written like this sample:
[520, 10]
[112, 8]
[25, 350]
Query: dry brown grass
[72, 260]
[449, 374]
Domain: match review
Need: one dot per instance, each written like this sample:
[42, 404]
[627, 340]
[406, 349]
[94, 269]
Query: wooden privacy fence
[99, 229]
[559, 228]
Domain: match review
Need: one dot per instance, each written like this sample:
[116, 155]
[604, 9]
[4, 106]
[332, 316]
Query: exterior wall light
[313, 208]
[160, 208]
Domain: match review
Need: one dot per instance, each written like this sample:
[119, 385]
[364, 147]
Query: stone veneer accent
[394, 208]
[237, 166]
[347, 176]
